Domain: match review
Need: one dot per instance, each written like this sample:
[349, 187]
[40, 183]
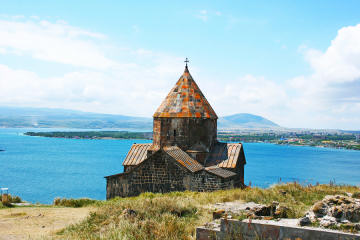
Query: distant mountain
[245, 120]
[64, 118]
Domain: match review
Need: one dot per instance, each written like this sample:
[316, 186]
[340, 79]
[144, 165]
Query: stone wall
[187, 133]
[158, 173]
[250, 230]
[204, 181]
[161, 173]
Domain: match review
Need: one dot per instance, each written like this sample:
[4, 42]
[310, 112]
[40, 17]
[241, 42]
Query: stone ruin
[335, 211]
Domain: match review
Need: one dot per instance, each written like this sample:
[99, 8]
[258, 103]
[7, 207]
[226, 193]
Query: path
[35, 222]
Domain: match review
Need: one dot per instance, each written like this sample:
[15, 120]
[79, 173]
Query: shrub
[76, 203]
[14, 199]
[356, 195]
[11, 199]
[82, 202]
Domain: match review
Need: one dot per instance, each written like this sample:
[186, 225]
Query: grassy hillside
[176, 215]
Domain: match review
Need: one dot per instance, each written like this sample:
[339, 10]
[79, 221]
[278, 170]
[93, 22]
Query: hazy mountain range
[64, 118]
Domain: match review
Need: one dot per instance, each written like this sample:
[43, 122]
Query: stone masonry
[185, 154]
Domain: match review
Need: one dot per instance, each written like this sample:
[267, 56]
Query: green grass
[175, 215]
[76, 203]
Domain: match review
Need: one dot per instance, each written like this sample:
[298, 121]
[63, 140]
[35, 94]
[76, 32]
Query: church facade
[185, 153]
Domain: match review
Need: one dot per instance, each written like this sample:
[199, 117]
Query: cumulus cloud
[53, 41]
[97, 83]
[137, 82]
[330, 95]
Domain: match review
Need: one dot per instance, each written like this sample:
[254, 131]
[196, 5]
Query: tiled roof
[137, 154]
[185, 100]
[224, 155]
[183, 158]
[220, 171]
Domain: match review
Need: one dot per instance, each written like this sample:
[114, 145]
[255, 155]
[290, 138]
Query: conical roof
[185, 100]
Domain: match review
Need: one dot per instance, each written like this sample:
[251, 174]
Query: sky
[296, 63]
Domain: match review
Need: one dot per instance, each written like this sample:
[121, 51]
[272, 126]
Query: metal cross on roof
[186, 61]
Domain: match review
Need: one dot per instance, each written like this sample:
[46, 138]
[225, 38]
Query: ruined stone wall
[161, 173]
[205, 182]
[187, 133]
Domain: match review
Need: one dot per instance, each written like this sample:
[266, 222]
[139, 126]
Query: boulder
[327, 221]
[304, 221]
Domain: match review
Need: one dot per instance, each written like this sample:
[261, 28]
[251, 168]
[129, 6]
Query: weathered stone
[327, 221]
[304, 221]
[357, 226]
[185, 153]
[320, 209]
[265, 210]
[335, 210]
[218, 213]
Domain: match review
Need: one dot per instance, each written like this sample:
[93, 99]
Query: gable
[226, 155]
[136, 154]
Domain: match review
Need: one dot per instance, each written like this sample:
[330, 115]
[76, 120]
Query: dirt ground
[37, 222]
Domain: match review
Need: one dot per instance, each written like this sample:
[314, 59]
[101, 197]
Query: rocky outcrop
[250, 210]
[334, 211]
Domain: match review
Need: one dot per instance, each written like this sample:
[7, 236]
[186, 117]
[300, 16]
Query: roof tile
[220, 171]
[185, 100]
[137, 154]
[224, 155]
[183, 158]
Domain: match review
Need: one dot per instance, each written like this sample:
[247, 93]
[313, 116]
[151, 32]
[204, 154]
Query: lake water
[39, 169]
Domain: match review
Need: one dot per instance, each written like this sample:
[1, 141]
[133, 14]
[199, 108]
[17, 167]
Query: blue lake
[39, 169]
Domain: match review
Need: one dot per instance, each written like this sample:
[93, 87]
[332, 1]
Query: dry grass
[175, 215]
[76, 203]
[356, 195]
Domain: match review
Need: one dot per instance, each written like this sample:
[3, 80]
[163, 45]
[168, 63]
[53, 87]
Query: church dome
[185, 100]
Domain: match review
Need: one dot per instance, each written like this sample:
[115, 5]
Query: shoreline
[274, 143]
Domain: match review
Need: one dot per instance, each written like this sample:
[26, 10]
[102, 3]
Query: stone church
[185, 153]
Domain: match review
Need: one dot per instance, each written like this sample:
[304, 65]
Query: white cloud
[136, 85]
[130, 86]
[203, 15]
[56, 42]
[327, 98]
[330, 97]
[247, 94]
